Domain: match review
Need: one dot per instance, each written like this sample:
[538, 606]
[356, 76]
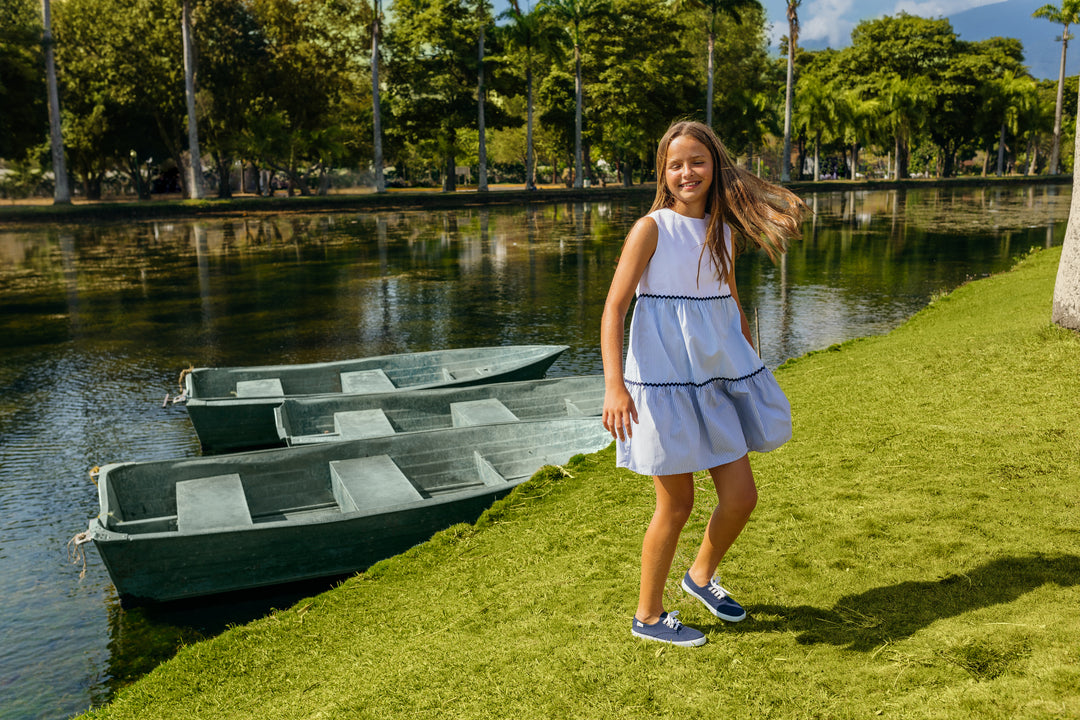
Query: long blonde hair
[763, 214]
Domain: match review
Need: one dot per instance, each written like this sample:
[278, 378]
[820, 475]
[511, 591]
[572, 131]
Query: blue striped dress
[703, 396]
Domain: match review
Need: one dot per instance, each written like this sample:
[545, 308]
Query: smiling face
[688, 173]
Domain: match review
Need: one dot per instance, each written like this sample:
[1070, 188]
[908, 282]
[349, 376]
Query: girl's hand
[619, 413]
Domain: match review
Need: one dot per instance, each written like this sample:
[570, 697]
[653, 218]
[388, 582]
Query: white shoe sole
[686, 643]
[717, 613]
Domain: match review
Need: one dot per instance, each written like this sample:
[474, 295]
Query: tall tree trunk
[785, 161]
[800, 155]
[450, 180]
[195, 182]
[380, 179]
[1055, 150]
[578, 175]
[1001, 152]
[900, 155]
[1066, 307]
[142, 185]
[1033, 156]
[61, 191]
[224, 168]
[481, 182]
[530, 159]
[817, 155]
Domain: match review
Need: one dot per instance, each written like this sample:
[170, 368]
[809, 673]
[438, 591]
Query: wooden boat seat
[370, 483]
[487, 471]
[267, 387]
[366, 382]
[211, 503]
[359, 424]
[480, 412]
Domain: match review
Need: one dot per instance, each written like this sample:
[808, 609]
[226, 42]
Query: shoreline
[922, 558]
[33, 212]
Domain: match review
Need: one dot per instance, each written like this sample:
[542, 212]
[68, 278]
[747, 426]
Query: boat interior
[323, 482]
[309, 421]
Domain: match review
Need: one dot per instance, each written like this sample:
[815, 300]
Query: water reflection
[97, 320]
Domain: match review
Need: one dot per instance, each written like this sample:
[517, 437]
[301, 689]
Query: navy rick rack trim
[683, 297]
[694, 384]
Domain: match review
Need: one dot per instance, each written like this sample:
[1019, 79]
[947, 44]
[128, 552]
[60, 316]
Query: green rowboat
[198, 526]
[232, 408]
[319, 419]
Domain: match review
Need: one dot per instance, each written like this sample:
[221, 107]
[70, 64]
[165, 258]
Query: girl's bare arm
[619, 410]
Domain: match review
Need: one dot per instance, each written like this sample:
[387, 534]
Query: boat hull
[166, 567]
[226, 422]
[189, 527]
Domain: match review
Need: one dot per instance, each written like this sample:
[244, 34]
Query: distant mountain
[1013, 19]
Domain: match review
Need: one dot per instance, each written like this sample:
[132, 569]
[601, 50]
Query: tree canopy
[284, 96]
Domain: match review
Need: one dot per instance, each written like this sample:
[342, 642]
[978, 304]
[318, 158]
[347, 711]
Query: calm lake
[96, 322]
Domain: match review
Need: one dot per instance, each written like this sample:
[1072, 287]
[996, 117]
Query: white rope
[76, 553]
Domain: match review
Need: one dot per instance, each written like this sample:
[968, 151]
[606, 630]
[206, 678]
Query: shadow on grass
[863, 622]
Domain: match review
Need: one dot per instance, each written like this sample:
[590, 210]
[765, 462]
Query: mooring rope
[76, 553]
[94, 472]
[182, 397]
[184, 373]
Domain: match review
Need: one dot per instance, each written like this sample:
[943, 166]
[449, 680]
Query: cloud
[828, 20]
[938, 8]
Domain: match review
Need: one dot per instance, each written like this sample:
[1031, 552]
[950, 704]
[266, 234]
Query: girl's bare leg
[737, 496]
[674, 501]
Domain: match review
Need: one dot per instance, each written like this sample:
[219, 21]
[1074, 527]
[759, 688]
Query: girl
[693, 395]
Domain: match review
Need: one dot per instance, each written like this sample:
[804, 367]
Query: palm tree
[1066, 307]
[482, 9]
[61, 193]
[528, 34]
[815, 109]
[1005, 97]
[1066, 15]
[716, 8]
[1036, 118]
[793, 38]
[573, 12]
[380, 179]
[906, 105]
[195, 184]
[857, 118]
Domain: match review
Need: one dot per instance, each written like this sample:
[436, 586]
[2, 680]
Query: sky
[832, 21]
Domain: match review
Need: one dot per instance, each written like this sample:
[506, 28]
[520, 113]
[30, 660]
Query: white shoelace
[671, 621]
[718, 592]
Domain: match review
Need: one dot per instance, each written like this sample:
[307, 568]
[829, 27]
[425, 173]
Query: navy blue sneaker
[716, 598]
[668, 629]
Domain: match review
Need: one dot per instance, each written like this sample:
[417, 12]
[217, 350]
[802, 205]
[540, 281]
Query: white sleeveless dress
[703, 396]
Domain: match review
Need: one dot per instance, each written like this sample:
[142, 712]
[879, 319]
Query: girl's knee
[674, 498]
[745, 501]
[675, 511]
[735, 487]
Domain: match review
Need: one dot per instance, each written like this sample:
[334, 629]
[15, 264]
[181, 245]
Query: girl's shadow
[865, 621]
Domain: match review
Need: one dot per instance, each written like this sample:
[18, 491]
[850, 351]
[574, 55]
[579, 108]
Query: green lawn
[915, 554]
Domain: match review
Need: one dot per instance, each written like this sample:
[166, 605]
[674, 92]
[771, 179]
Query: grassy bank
[38, 211]
[915, 554]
